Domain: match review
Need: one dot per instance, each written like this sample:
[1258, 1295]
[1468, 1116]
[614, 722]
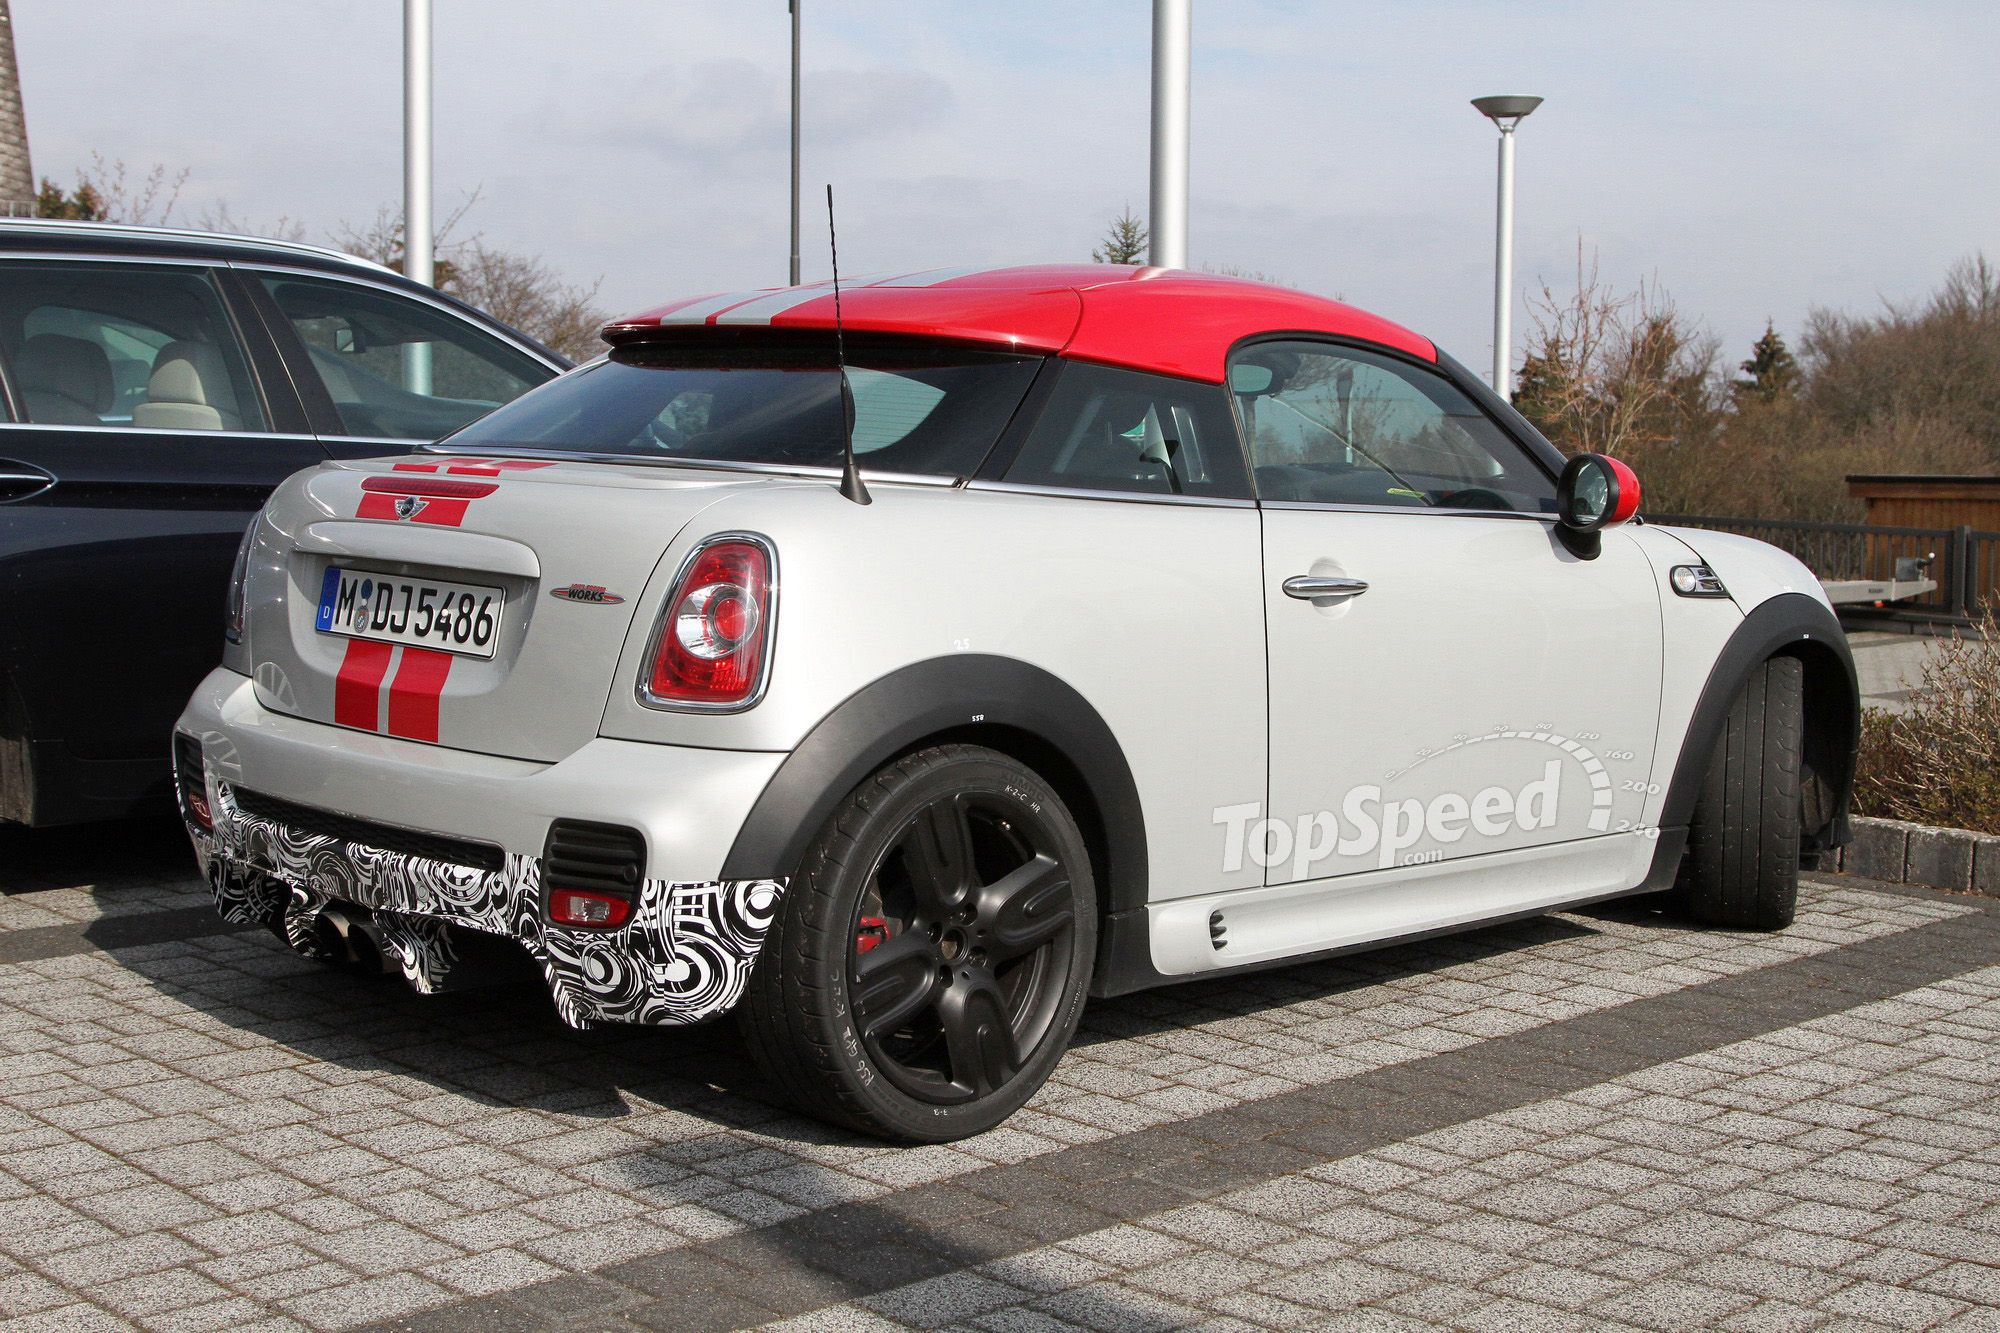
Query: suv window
[398, 368]
[1104, 429]
[1337, 425]
[142, 346]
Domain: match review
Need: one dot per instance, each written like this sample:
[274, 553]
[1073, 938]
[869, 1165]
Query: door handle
[1312, 587]
[18, 480]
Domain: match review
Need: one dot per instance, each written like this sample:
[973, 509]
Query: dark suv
[154, 386]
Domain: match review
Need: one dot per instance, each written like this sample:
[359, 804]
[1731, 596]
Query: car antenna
[851, 484]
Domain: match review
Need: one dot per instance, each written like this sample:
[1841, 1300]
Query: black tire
[1742, 864]
[1001, 925]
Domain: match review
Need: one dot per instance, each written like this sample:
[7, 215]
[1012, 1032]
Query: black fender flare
[978, 698]
[1789, 624]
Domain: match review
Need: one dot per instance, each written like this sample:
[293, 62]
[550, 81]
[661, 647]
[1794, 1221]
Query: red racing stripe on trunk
[447, 513]
[357, 690]
[413, 695]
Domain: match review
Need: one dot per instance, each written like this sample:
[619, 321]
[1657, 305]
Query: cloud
[731, 117]
[1710, 143]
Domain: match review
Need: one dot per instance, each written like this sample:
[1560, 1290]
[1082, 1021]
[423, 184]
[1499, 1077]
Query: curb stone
[1986, 864]
[1896, 852]
[1880, 850]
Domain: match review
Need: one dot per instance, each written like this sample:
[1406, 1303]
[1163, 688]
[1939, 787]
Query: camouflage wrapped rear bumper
[685, 956]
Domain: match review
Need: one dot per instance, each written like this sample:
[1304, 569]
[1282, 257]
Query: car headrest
[75, 368]
[189, 372]
[190, 390]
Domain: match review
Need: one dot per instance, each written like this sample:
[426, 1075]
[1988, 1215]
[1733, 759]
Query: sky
[1752, 159]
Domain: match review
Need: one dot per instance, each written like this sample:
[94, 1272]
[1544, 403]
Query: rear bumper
[685, 955]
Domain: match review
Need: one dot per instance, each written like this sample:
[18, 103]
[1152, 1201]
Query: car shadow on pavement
[1244, 994]
[687, 1108]
[504, 1046]
[124, 853]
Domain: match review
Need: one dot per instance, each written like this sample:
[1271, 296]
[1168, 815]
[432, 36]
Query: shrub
[1939, 763]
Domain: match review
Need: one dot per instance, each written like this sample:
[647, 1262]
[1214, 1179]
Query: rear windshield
[924, 410]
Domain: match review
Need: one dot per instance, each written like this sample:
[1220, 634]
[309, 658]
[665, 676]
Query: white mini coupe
[897, 671]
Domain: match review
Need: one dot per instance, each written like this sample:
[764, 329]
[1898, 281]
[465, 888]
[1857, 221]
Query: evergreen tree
[1539, 391]
[1124, 243]
[1771, 372]
[84, 204]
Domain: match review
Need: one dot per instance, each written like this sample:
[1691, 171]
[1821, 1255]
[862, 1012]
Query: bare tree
[107, 192]
[381, 240]
[522, 291]
[1936, 363]
[516, 289]
[1238, 271]
[220, 217]
[1608, 372]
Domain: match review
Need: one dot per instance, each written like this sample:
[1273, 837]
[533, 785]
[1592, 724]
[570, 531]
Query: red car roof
[1171, 321]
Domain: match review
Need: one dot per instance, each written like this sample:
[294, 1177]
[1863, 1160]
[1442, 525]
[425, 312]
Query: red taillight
[712, 642]
[574, 907]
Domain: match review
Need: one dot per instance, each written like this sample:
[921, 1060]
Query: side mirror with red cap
[1595, 492]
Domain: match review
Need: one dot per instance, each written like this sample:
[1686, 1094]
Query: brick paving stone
[490, 1271]
[1623, 1283]
[372, 1299]
[74, 1318]
[413, 1141]
[382, 1247]
[1897, 1307]
[952, 1298]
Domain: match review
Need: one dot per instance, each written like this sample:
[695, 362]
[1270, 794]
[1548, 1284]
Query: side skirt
[1125, 952]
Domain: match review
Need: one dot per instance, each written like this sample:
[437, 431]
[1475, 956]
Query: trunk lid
[564, 549]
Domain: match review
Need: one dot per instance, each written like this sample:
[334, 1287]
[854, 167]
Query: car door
[1450, 688]
[1131, 496]
[144, 431]
[381, 368]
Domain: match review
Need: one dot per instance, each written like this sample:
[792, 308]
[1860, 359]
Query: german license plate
[459, 618]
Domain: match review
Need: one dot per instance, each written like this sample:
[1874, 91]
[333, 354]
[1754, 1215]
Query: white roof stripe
[933, 276]
[759, 307]
[699, 311]
[763, 308]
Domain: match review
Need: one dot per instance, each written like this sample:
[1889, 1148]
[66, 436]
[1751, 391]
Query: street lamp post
[1505, 112]
[417, 174]
[1166, 218]
[794, 5]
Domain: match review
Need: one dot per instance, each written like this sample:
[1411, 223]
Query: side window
[1104, 429]
[143, 346]
[1336, 425]
[395, 367]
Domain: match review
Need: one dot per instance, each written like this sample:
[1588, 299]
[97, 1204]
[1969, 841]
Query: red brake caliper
[873, 930]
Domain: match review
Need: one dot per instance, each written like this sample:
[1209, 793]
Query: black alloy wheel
[962, 941]
[929, 965]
